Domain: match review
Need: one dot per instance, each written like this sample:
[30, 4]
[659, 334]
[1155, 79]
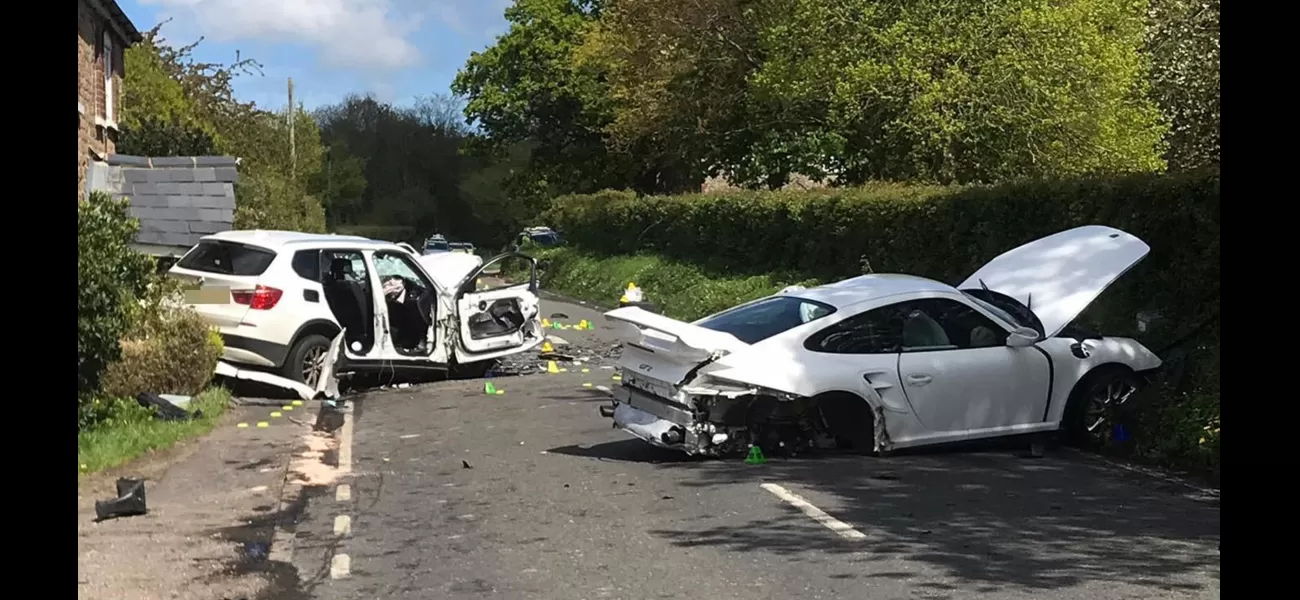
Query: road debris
[130, 501]
[164, 410]
[464, 464]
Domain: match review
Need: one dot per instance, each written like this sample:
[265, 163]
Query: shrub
[110, 276]
[680, 290]
[939, 232]
[389, 233]
[169, 350]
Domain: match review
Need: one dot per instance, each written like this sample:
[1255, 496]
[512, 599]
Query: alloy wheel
[1098, 417]
[313, 363]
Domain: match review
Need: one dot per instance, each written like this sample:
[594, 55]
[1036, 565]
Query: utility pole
[293, 148]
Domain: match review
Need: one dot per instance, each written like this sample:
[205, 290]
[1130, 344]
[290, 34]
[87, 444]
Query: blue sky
[394, 50]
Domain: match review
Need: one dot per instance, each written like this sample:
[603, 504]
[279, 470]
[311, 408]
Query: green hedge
[695, 254]
[388, 233]
[938, 232]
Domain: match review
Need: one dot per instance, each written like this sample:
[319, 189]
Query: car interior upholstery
[410, 314]
[501, 317]
[349, 299]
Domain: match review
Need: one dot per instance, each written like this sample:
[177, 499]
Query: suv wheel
[306, 359]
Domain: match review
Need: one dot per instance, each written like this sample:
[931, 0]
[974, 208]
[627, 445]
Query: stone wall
[178, 200]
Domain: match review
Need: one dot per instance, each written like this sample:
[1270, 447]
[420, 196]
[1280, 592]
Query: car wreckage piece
[878, 362]
[327, 387]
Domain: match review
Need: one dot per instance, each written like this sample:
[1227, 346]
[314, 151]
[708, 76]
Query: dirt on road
[214, 504]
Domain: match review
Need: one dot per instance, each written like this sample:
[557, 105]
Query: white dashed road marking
[343, 493]
[841, 528]
[340, 566]
[342, 525]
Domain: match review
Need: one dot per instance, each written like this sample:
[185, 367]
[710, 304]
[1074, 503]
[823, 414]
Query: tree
[410, 160]
[173, 105]
[528, 88]
[944, 91]
[1183, 44]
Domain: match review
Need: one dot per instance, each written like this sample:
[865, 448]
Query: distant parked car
[280, 299]
[435, 244]
[463, 247]
[542, 236]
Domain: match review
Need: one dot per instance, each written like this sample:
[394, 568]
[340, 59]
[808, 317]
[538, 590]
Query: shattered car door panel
[327, 387]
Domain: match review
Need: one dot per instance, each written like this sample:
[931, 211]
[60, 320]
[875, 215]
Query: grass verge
[679, 290]
[133, 432]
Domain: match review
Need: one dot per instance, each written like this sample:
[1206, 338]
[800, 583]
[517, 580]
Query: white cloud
[363, 34]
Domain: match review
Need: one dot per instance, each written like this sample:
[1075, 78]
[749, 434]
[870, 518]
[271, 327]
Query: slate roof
[178, 199]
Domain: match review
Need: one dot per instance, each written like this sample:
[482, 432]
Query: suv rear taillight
[261, 298]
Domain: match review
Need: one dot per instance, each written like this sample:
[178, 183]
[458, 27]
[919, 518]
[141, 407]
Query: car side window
[944, 324]
[306, 263]
[343, 265]
[877, 331]
[392, 264]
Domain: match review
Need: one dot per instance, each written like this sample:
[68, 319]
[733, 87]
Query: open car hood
[448, 269]
[1058, 276]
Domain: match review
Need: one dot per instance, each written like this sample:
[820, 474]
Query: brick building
[103, 32]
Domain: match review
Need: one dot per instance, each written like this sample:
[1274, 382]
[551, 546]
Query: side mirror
[1022, 337]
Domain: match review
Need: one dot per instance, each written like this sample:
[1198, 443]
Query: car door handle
[919, 379]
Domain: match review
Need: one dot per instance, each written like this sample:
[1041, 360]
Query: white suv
[279, 298]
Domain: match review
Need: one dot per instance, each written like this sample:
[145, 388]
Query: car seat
[920, 332]
[347, 300]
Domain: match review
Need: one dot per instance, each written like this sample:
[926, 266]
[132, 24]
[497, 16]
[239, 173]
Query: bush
[388, 233]
[110, 276]
[170, 350]
[944, 233]
[680, 290]
[269, 200]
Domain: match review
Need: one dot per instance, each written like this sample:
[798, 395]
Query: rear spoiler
[685, 341]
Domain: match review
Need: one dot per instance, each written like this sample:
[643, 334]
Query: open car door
[497, 322]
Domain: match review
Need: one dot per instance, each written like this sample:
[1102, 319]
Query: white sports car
[879, 362]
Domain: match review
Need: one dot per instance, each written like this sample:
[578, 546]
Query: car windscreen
[227, 258]
[436, 246]
[757, 321]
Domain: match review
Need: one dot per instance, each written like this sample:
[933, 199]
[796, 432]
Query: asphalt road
[557, 505]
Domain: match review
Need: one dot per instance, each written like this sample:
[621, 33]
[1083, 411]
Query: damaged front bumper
[327, 386]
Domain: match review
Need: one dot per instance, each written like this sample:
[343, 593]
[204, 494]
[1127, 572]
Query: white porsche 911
[879, 362]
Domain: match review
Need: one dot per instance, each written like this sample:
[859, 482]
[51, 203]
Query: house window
[108, 78]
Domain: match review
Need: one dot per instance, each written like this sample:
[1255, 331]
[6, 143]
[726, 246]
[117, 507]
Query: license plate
[208, 295]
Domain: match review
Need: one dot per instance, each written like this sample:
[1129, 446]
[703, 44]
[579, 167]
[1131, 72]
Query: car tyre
[306, 359]
[1087, 422]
